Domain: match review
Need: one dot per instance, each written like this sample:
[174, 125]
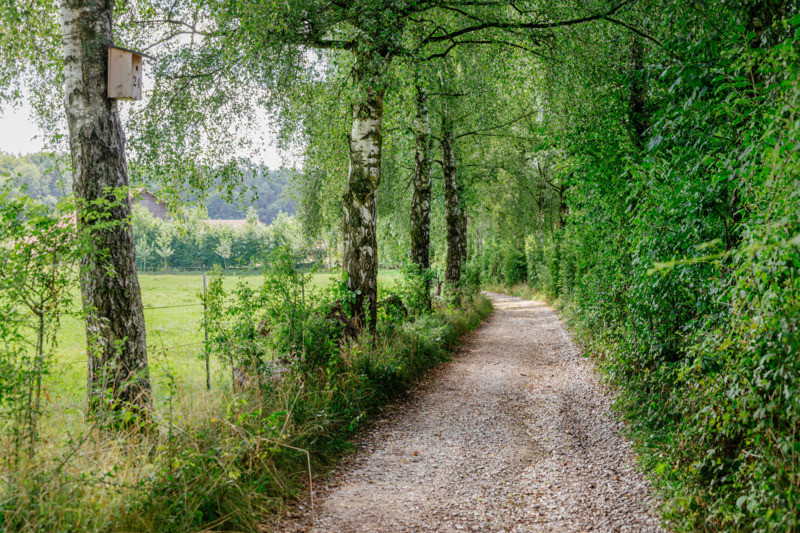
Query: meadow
[219, 459]
[173, 315]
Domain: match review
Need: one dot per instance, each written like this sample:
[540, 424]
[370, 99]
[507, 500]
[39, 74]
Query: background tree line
[192, 243]
[635, 160]
[46, 177]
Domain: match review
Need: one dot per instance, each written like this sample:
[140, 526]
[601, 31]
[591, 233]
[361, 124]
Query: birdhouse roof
[134, 52]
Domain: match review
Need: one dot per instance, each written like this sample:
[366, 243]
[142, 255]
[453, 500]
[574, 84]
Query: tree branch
[176, 23]
[328, 45]
[523, 25]
[483, 132]
[634, 30]
[482, 41]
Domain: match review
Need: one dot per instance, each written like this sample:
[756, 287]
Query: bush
[413, 286]
[471, 278]
[515, 267]
[534, 258]
[491, 264]
[39, 250]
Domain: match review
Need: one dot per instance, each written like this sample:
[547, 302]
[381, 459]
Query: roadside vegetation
[634, 161]
[292, 378]
[668, 232]
[175, 337]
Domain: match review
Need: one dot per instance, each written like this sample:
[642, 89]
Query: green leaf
[740, 501]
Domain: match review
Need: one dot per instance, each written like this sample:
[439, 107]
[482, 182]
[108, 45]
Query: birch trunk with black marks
[479, 241]
[421, 200]
[115, 329]
[541, 199]
[360, 201]
[452, 274]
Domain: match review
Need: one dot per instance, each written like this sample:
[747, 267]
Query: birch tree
[255, 37]
[53, 51]
[421, 201]
[454, 210]
[110, 289]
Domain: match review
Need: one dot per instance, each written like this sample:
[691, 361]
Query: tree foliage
[634, 160]
[662, 199]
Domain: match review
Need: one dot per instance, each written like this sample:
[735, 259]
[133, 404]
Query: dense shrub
[678, 262]
[413, 287]
[515, 267]
[534, 260]
[491, 264]
[471, 277]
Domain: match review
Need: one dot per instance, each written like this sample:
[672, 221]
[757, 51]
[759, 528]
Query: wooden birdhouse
[124, 74]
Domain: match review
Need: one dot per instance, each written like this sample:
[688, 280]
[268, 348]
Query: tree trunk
[463, 249]
[563, 207]
[479, 241]
[421, 201]
[115, 329]
[360, 207]
[637, 98]
[462, 223]
[541, 199]
[452, 206]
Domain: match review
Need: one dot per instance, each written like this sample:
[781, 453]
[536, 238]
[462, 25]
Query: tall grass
[221, 460]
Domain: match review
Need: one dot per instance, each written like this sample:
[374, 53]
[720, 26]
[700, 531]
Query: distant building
[149, 201]
[158, 209]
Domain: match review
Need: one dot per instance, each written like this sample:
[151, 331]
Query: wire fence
[148, 308]
[156, 345]
[231, 270]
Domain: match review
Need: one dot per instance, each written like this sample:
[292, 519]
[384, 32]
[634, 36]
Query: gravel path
[513, 435]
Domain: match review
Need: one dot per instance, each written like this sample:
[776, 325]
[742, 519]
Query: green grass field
[173, 314]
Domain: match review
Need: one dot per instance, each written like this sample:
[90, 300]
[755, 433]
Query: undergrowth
[231, 459]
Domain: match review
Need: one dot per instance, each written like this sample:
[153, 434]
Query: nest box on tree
[125, 73]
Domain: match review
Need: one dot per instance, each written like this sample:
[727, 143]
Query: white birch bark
[359, 222]
[109, 284]
[452, 205]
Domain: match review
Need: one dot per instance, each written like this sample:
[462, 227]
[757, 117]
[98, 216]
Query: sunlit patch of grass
[173, 316]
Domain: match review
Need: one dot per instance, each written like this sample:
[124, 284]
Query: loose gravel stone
[513, 435]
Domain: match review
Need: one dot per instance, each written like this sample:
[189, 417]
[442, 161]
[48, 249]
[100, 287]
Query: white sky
[19, 134]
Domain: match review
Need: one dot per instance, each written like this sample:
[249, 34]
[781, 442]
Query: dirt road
[513, 435]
